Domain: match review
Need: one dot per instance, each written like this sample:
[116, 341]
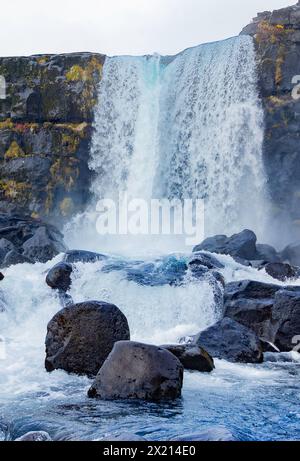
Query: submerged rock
[192, 357]
[206, 260]
[80, 337]
[211, 434]
[35, 436]
[59, 277]
[229, 340]
[138, 371]
[242, 245]
[81, 256]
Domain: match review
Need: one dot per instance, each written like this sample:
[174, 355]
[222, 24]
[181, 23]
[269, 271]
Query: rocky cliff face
[45, 133]
[277, 39]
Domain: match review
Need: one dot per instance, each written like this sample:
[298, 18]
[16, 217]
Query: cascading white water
[187, 128]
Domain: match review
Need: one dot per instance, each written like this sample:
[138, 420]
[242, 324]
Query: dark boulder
[242, 245]
[5, 247]
[81, 256]
[43, 246]
[59, 277]
[206, 260]
[80, 337]
[13, 257]
[250, 303]
[138, 371]
[281, 271]
[229, 340]
[1, 277]
[291, 254]
[267, 253]
[35, 436]
[286, 312]
[192, 357]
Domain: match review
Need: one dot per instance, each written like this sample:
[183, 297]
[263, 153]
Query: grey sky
[122, 26]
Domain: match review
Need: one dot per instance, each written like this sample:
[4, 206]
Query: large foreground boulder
[242, 245]
[59, 277]
[81, 336]
[250, 303]
[138, 371]
[229, 340]
[192, 357]
[286, 312]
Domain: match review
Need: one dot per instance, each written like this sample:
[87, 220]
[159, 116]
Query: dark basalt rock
[192, 357]
[81, 256]
[5, 247]
[277, 43]
[59, 277]
[267, 253]
[42, 246]
[1, 277]
[206, 260]
[45, 133]
[281, 271]
[286, 312]
[36, 436]
[242, 245]
[80, 337]
[13, 257]
[138, 371]
[291, 253]
[231, 341]
[251, 304]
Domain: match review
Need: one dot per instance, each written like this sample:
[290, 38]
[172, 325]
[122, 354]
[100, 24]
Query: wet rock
[291, 253]
[232, 341]
[286, 312]
[13, 257]
[242, 245]
[36, 436]
[251, 303]
[5, 247]
[138, 371]
[192, 357]
[59, 277]
[267, 253]
[80, 337]
[210, 434]
[281, 271]
[81, 256]
[43, 246]
[204, 259]
[1, 277]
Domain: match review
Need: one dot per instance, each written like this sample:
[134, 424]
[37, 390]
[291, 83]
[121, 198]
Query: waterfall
[187, 127]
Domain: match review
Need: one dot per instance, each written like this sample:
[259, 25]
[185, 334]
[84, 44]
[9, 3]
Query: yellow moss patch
[66, 206]
[77, 72]
[70, 143]
[276, 101]
[13, 189]
[14, 151]
[35, 215]
[6, 124]
[78, 128]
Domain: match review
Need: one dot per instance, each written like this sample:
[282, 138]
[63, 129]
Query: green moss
[6, 124]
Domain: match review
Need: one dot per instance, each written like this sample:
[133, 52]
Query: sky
[117, 27]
